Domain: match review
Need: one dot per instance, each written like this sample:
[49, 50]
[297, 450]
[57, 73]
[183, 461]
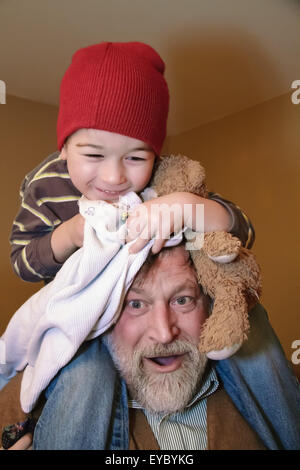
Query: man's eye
[136, 307]
[184, 300]
[135, 304]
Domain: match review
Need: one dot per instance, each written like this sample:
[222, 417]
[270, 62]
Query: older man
[155, 347]
[154, 344]
[163, 392]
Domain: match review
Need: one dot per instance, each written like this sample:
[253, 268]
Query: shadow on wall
[251, 155]
[229, 70]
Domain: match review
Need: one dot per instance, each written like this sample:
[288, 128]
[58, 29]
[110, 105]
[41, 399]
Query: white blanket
[83, 301]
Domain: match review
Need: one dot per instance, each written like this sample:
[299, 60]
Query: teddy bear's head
[177, 173]
[230, 283]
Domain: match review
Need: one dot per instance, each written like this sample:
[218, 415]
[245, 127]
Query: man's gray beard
[157, 391]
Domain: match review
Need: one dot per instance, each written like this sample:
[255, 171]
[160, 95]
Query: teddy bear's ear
[178, 173]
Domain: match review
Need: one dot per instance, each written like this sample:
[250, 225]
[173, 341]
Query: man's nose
[112, 173]
[163, 326]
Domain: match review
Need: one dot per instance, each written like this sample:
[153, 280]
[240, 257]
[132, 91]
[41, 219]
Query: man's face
[155, 340]
[104, 166]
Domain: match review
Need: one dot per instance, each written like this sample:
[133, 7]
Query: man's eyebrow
[137, 290]
[186, 285]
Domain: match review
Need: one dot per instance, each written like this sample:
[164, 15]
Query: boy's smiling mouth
[114, 193]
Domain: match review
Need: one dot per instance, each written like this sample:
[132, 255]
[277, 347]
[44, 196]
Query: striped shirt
[187, 429]
[48, 198]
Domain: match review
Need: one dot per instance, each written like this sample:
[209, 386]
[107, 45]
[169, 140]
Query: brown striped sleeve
[48, 198]
[242, 227]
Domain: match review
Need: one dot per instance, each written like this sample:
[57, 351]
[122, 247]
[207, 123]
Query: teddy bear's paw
[148, 194]
[223, 258]
[221, 247]
[224, 353]
[226, 328]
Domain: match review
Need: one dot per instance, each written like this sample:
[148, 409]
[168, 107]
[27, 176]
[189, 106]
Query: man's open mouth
[166, 361]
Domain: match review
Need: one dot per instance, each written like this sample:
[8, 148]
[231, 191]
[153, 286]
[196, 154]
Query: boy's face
[104, 166]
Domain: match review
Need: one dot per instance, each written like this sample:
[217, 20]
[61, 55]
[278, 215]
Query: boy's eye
[135, 159]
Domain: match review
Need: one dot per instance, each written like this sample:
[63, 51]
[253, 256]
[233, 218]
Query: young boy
[111, 128]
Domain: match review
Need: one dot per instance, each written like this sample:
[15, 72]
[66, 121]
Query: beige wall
[253, 159]
[27, 135]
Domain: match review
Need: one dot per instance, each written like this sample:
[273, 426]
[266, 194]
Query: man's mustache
[176, 348]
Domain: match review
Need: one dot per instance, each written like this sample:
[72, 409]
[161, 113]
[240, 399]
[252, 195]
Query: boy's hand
[159, 219]
[67, 238]
[167, 215]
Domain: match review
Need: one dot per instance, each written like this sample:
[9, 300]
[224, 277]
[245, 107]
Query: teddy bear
[227, 272]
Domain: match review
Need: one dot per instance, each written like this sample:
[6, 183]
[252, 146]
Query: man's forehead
[172, 262]
[175, 257]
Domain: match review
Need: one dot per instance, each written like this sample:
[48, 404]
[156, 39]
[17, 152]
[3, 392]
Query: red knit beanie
[116, 87]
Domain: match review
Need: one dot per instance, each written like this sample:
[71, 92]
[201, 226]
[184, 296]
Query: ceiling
[222, 56]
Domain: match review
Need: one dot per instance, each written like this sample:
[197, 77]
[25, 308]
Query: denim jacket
[87, 406]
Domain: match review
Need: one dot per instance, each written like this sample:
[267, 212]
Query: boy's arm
[219, 215]
[48, 199]
[32, 260]
[40, 258]
[67, 238]
[241, 226]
